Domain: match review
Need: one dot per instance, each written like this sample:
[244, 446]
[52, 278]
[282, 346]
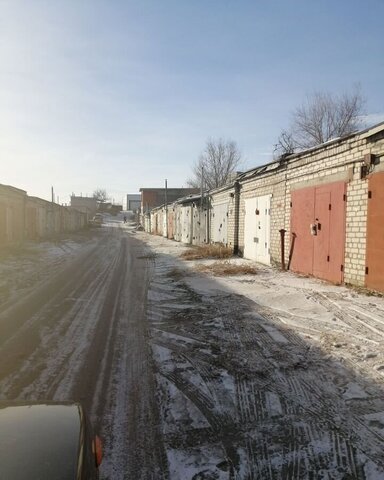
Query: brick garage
[348, 162]
[320, 197]
[352, 161]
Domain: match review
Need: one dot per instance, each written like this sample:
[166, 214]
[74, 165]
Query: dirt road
[82, 335]
[190, 378]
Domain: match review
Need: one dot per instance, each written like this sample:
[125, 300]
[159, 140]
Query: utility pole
[166, 209]
[201, 204]
[201, 190]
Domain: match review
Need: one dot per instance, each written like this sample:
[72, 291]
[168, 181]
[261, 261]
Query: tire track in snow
[45, 358]
[349, 317]
[292, 421]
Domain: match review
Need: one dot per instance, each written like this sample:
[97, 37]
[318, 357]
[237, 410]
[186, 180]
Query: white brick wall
[331, 163]
[334, 162]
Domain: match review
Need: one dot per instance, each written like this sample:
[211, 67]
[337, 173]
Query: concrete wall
[84, 204]
[31, 218]
[12, 215]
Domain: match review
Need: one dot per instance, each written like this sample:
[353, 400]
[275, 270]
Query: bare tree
[101, 195]
[320, 118]
[217, 164]
[285, 144]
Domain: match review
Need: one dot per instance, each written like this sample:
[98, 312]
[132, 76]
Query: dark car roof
[39, 441]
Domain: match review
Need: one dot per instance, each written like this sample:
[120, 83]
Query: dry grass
[148, 256]
[207, 251]
[364, 291]
[227, 268]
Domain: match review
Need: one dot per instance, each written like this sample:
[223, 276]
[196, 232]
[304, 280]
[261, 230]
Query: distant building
[111, 208]
[154, 197]
[133, 201]
[87, 205]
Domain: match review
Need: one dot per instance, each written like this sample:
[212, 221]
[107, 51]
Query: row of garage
[320, 212]
[31, 218]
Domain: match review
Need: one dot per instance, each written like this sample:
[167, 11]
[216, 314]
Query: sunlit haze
[124, 94]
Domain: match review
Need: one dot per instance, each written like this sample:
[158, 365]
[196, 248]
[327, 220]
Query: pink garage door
[375, 233]
[318, 225]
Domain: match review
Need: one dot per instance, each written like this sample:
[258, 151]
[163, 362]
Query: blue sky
[124, 94]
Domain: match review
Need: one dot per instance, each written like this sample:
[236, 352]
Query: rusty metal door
[321, 234]
[318, 223]
[329, 243]
[375, 233]
[302, 216]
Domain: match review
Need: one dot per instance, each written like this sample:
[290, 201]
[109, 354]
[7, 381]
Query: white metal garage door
[219, 219]
[186, 224]
[257, 225]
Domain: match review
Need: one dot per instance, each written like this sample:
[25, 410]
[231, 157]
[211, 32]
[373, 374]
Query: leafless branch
[322, 117]
[218, 162]
[101, 195]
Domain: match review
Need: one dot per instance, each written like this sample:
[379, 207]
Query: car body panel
[41, 441]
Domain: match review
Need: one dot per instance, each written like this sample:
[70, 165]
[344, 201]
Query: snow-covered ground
[272, 375]
[23, 268]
